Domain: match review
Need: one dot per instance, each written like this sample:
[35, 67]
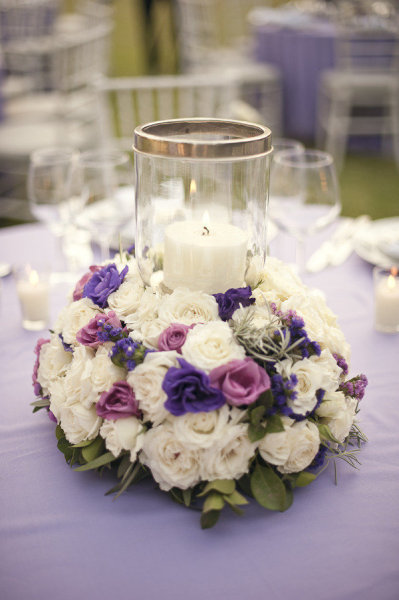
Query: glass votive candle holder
[386, 299]
[33, 290]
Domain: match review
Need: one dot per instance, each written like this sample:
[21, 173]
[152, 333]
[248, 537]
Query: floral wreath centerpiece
[191, 359]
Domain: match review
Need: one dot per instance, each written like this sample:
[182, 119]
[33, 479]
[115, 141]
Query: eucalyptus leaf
[91, 452]
[100, 461]
[305, 478]
[224, 486]
[268, 489]
[214, 501]
[209, 519]
[236, 510]
[235, 498]
[274, 424]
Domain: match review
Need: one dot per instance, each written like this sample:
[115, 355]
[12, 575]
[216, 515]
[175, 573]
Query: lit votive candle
[33, 294]
[210, 258]
[386, 300]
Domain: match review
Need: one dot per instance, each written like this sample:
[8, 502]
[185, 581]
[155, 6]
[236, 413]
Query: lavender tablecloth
[62, 538]
[301, 53]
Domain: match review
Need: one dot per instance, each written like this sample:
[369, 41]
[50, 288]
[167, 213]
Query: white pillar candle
[33, 294]
[211, 259]
[387, 301]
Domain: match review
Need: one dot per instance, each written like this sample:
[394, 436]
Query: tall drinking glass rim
[53, 155]
[203, 138]
[103, 157]
[306, 158]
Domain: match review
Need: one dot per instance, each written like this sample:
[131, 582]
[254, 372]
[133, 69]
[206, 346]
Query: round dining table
[63, 538]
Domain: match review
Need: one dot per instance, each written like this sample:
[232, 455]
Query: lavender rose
[232, 299]
[241, 381]
[37, 388]
[119, 402]
[103, 283]
[189, 390]
[88, 335]
[173, 337]
[78, 291]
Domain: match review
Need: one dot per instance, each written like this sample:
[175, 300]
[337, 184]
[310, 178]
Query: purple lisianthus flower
[103, 283]
[118, 402]
[241, 381]
[88, 335]
[78, 291]
[51, 416]
[174, 336]
[37, 388]
[189, 390]
[232, 299]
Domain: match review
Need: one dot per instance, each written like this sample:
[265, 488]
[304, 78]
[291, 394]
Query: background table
[301, 51]
[62, 538]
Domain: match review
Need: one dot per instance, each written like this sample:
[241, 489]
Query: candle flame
[394, 271]
[391, 283]
[33, 277]
[193, 187]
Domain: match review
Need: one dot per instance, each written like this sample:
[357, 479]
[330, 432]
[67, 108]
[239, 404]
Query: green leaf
[82, 444]
[325, 433]
[224, 486]
[129, 479]
[214, 501]
[289, 497]
[209, 519]
[268, 489]
[244, 484]
[304, 478]
[256, 415]
[235, 498]
[265, 399]
[91, 452]
[123, 465]
[42, 403]
[236, 510]
[187, 497]
[59, 433]
[274, 424]
[100, 461]
[63, 445]
[256, 432]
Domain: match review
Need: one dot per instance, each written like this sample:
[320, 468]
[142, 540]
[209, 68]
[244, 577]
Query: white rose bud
[337, 412]
[274, 448]
[103, 371]
[201, 429]
[54, 362]
[78, 383]
[126, 300]
[184, 306]
[76, 316]
[304, 442]
[79, 423]
[211, 345]
[123, 434]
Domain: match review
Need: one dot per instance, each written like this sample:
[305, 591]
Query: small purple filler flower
[232, 299]
[189, 390]
[88, 335]
[78, 291]
[103, 283]
[118, 403]
[173, 337]
[241, 381]
[37, 388]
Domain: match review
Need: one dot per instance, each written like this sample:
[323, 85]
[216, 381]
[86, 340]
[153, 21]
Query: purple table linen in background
[301, 55]
[62, 538]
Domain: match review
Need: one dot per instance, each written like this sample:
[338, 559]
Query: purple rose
[119, 402]
[232, 299]
[173, 337]
[78, 291]
[103, 283]
[37, 388]
[88, 335]
[241, 381]
[189, 390]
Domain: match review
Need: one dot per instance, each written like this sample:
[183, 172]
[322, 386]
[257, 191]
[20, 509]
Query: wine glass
[51, 199]
[106, 181]
[306, 195]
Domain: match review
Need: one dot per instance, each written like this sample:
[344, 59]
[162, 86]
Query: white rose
[183, 306]
[310, 379]
[279, 280]
[103, 371]
[201, 429]
[54, 362]
[78, 384]
[304, 442]
[79, 423]
[338, 412]
[211, 345]
[255, 272]
[146, 380]
[126, 300]
[274, 448]
[171, 462]
[329, 369]
[146, 311]
[121, 262]
[228, 457]
[57, 397]
[123, 434]
[150, 332]
[76, 316]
